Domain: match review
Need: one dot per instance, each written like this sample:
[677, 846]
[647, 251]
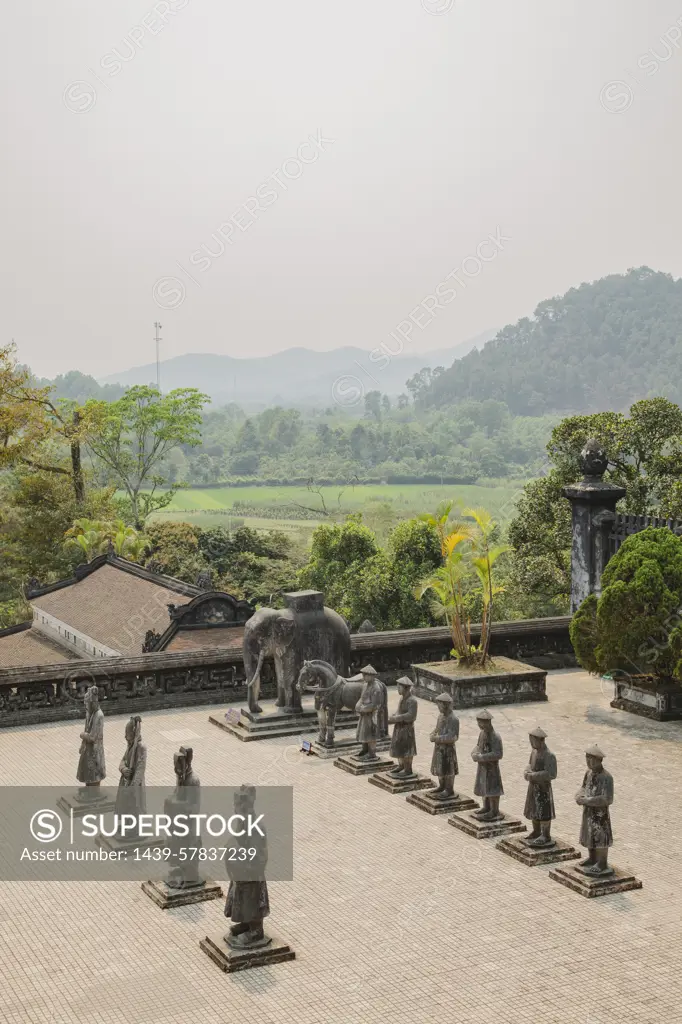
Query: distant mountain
[601, 346]
[296, 376]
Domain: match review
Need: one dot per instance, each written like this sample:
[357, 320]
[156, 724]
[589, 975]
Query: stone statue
[487, 754]
[91, 765]
[444, 737]
[372, 700]
[539, 775]
[595, 797]
[247, 903]
[593, 460]
[333, 693]
[185, 800]
[367, 627]
[403, 741]
[151, 638]
[205, 580]
[131, 798]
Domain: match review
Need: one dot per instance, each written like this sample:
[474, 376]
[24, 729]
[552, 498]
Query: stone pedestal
[345, 747]
[485, 829]
[400, 785]
[273, 721]
[650, 698]
[426, 801]
[167, 898]
[586, 885]
[517, 847]
[72, 803]
[230, 960]
[503, 681]
[354, 766]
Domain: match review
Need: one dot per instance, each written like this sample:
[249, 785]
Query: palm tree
[483, 558]
[86, 536]
[467, 551]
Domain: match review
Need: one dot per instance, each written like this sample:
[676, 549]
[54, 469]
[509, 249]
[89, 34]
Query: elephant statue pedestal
[285, 638]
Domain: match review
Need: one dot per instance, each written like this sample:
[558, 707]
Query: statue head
[244, 799]
[537, 738]
[91, 698]
[485, 720]
[593, 460]
[182, 762]
[404, 685]
[594, 757]
[444, 702]
[133, 729]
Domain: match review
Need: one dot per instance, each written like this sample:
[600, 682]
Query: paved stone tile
[394, 916]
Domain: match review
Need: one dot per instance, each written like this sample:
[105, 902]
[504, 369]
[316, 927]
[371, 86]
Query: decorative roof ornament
[593, 460]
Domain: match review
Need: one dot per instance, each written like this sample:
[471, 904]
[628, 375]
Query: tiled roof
[113, 606]
[28, 647]
[195, 639]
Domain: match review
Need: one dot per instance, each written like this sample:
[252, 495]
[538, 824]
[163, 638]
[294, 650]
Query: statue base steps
[230, 960]
[517, 848]
[167, 898]
[354, 766]
[619, 881]
[426, 801]
[348, 746]
[71, 803]
[485, 829]
[273, 721]
[401, 785]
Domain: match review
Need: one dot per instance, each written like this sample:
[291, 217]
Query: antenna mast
[157, 338]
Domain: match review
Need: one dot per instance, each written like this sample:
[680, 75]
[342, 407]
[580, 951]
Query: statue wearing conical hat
[444, 737]
[368, 708]
[539, 775]
[595, 797]
[487, 754]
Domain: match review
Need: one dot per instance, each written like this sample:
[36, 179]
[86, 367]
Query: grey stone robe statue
[91, 765]
[247, 903]
[185, 799]
[487, 754]
[368, 708]
[403, 740]
[131, 796]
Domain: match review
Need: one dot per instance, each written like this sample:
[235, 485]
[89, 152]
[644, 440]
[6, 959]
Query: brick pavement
[394, 915]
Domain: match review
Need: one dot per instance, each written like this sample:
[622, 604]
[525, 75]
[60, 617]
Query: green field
[212, 506]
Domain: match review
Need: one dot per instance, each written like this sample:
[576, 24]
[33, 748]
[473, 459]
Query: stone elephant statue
[302, 631]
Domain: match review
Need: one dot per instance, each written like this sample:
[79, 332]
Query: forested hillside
[600, 346]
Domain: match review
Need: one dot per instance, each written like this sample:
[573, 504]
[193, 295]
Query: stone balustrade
[152, 682]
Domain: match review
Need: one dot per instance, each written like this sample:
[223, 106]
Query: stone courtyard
[394, 915]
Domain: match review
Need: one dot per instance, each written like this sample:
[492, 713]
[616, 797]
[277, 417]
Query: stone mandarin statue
[368, 708]
[131, 798]
[247, 903]
[403, 740]
[595, 797]
[487, 754]
[444, 737]
[540, 773]
[185, 799]
[91, 765]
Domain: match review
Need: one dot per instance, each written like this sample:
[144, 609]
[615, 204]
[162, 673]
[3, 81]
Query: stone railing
[153, 682]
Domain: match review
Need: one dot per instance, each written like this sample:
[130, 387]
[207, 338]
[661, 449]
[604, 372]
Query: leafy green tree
[92, 537]
[133, 435]
[634, 626]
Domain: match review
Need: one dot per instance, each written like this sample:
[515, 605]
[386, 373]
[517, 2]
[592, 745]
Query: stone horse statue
[332, 694]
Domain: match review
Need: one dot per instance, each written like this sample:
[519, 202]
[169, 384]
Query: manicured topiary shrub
[634, 626]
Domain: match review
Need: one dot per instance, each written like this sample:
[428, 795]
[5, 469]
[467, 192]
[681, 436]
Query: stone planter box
[648, 697]
[502, 681]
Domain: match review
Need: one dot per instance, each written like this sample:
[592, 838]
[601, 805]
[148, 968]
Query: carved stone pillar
[593, 504]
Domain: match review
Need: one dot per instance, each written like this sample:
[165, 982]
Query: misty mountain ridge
[295, 376]
[603, 345]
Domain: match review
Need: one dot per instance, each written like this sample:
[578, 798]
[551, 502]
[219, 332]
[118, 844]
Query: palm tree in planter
[470, 553]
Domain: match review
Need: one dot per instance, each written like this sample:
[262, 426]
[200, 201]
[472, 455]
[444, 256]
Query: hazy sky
[447, 125]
